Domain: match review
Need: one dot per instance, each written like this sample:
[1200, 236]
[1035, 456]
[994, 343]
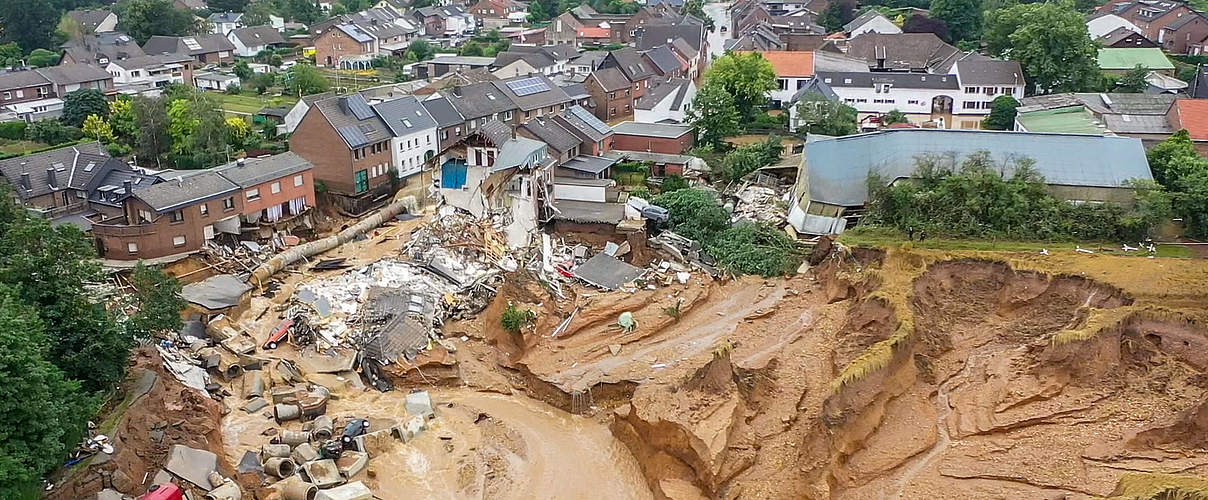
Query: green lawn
[880, 237]
[251, 103]
[9, 146]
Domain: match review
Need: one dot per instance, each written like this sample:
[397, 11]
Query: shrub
[52, 132]
[233, 89]
[514, 319]
[746, 248]
[12, 130]
[674, 182]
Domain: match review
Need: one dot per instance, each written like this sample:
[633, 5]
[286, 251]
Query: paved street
[720, 13]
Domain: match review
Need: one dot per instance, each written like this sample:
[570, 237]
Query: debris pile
[760, 204]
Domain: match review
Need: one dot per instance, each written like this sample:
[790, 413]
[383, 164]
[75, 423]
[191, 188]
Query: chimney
[344, 104]
[50, 177]
[25, 180]
[129, 185]
[239, 162]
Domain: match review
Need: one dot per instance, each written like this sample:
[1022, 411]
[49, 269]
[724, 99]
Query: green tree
[819, 115]
[153, 140]
[303, 11]
[713, 115]
[242, 70]
[695, 213]
[122, 120]
[46, 410]
[227, 5]
[1162, 155]
[95, 127]
[421, 50]
[81, 103]
[257, 14]
[697, 8]
[963, 17]
[157, 302]
[1002, 113]
[28, 23]
[673, 182]
[304, 79]
[1133, 81]
[52, 132]
[748, 77]
[10, 54]
[894, 116]
[41, 58]
[836, 14]
[755, 248]
[143, 19]
[1050, 41]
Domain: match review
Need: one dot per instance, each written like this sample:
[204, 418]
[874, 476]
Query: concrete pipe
[297, 489]
[255, 385]
[286, 412]
[293, 438]
[228, 491]
[229, 371]
[322, 429]
[304, 452]
[270, 267]
[280, 467]
[280, 450]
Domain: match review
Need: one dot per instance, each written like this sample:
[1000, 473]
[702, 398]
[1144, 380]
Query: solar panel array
[359, 108]
[191, 43]
[353, 136]
[590, 119]
[528, 86]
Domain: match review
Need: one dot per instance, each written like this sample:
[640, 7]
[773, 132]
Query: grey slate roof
[178, 192]
[404, 116]
[590, 164]
[1138, 124]
[630, 62]
[341, 113]
[516, 152]
[611, 79]
[112, 45]
[839, 167]
[354, 32]
[496, 131]
[663, 59]
[1115, 103]
[591, 58]
[537, 60]
[815, 85]
[1113, 36]
[89, 19]
[74, 73]
[985, 71]
[225, 17]
[685, 49]
[75, 167]
[152, 61]
[660, 92]
[443, 112]
[176, 44]
[900, 51]
[576, 91]
[479, 99]
[584, 124]
[861, 19]
[256, 171]
[552, 133]
[555, 96]
[252, 36]
[21, 79]
[658, 34]
[663, 130]
[898, 80]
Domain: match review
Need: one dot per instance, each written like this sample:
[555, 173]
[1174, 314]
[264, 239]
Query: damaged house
[254, 197]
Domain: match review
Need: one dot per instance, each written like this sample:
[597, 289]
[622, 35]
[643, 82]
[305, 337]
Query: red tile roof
[1192, 114]
[790, 64]
[590, 32]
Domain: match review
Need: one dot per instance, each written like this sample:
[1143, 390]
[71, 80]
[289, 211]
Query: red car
[280, 333]
[166, 491]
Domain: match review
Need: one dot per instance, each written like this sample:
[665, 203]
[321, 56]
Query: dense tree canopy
[1002, 113]
[819, 115]
[1050, 41]
[713, 115]
[143, 19]
[962, 17]
[28, 23]
[1133, 81]
[80, 104]
[748, 77]
[305, 79]
[920, 23]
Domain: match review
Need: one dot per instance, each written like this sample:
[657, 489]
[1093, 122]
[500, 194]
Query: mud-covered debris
[192, 465]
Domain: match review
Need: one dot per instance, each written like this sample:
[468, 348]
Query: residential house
[562, 143]
[445, 20]
[796, 25]
[414, 141]
[1185, 35]
[1191, 115]
[1124, 38]
[99, 49]
[795, 69]
[450, 125]
[695, 45]
[454, 79]
[178, 216]
[653, 137]
[585, 63]
[871, 21]
[190, 4]
[561, 53]
[392, 30]
[697, 60]
[38, 93]
[666, 62]
[480, 103]
[611, 92]
[661, 164]
[497, 13]
[140, 74]
[667, 102]
[205, 49]
[1114, 61]
[350, 147]
[510, 64]
[444, 64]
[596, 136]
[25, 86]
[1174, 25]
[94, 20]
[1143, 116]
[1100, 24]
[223, 23]
[346, 46]
[832, 183]
[533, 96]
[914, 52]
[58, 182]
[563, 29]
[593, 36]
[633, 66]
[253, 40]
[577, 93]
[299, 110]
[525, 36]
[584, 179]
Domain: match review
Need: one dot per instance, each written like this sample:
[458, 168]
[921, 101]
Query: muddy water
[543, 453]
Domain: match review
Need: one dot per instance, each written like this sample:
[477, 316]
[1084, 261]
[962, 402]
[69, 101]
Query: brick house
[595, 134]
[1123, 37]
[38, 93]
[100, 49]
[349, 146]
[205, 49]
[450, 125]
[612, 93]
[653, 137]
[633, 65]
[58, 181]
[178, 215]
[1184, 35]
[496, 13]
[1174, 25]
[344, 43]
[562, 29]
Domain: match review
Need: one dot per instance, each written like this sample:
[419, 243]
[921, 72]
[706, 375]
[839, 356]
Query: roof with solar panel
[533, 92]
[584, 124]
[354, 120]
[190, 45]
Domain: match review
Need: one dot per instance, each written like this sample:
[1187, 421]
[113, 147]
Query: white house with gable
[414, 134]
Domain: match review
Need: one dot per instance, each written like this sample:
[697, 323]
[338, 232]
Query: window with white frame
[178, 241]
[275, 187]
[253, 194]
[132, 247]
[205, 209]
[298, 180]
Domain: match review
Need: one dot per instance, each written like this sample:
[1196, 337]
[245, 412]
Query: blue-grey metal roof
[518, 152]
[838, 167]
[405, 116]
[359, 108]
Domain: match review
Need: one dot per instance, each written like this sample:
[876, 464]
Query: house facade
[413, 143]
[653, 137]
[350, 148]
[345, 45]
[253, 40]
[205, 49]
